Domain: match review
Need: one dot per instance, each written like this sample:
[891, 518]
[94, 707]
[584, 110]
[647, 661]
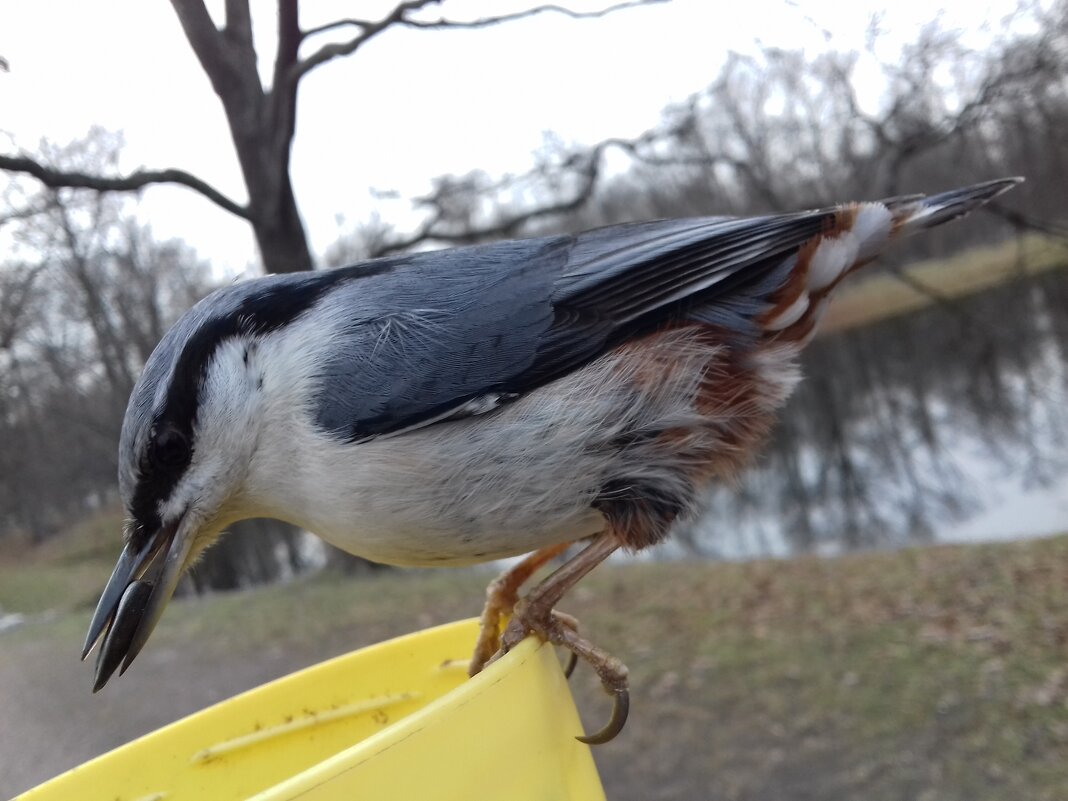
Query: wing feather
[512, 316]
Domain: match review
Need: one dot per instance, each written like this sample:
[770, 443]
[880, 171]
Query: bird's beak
[133, 600]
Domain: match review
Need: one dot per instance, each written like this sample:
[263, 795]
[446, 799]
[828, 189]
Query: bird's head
[188, 441]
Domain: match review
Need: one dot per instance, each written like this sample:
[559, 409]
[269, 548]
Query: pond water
[946, 425]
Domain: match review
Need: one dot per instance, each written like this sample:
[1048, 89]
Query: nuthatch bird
[466, 405]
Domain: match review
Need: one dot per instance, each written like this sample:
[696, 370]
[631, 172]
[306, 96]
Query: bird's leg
[501, 597]
[535, 614]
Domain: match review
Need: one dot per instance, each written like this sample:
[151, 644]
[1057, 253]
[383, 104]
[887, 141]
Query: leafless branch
[127, 183]
[14, 301]
[586, 167]
[207, 42]
[1027, 222]
[16, 215]
[239, 21]
[400, 17]
[486, 22]
[283, 95]
[338, 23]
[368, 31]
[654, 148]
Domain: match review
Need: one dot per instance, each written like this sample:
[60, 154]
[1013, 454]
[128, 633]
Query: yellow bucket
[399, 721]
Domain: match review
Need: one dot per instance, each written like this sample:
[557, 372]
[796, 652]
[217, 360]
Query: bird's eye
[170, 449]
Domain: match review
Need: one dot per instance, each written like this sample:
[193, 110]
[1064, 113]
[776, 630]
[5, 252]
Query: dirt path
[53, 722]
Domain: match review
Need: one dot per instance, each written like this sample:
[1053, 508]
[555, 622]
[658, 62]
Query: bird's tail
[917, 212]
[856, 234]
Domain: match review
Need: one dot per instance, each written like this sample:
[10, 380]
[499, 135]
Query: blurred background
[879, 609]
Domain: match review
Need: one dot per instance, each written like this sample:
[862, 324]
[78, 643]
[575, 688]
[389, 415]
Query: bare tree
[83, 301]
[782, 129]
[262, 118]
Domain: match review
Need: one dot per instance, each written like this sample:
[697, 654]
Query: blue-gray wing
[434, 336]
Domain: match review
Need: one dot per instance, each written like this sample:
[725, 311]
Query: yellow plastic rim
[396, 721]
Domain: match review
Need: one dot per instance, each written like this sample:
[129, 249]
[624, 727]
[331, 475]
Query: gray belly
[436, 545]
[470, 491]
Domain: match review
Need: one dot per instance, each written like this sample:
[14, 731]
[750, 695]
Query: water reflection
[913, 426]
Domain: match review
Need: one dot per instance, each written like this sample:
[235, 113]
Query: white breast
[465, 491]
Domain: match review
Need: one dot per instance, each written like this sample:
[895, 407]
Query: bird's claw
[572, 662]
[506, 645]
[489, 647]
[562, 629]
[620, 710]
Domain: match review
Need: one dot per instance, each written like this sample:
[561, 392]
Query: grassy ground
[65, 572]
[934, 673]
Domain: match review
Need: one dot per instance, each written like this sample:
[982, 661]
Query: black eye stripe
[267, 305]
[166, 456]
[169, 449]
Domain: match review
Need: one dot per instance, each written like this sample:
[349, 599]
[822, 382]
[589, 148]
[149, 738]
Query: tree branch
[586, 166]
[338, 23]
[14, 301]
[204, 38]
[486, 22]
[1026, 222]
[227, 56]
[128, 183]
[239, 21]
[16, 215]
[399, 17]
[283, 86]
[369, 30]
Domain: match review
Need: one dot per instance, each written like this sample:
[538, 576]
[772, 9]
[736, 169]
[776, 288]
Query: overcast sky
[411, 105]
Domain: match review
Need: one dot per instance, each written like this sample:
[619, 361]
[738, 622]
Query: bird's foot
[500, 600]
[562, 629]
[501, 597]
[535, 615]
[559, 618]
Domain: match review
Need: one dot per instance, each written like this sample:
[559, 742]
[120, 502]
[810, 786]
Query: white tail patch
[833, 256]
[872, 228]
[790, 315]
[817, 314]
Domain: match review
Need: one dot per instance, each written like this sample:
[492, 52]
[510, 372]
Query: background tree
[262, 117]
[779, 130]
[83, 302]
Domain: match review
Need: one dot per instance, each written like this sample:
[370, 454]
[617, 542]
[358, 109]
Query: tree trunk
[279, 231]
[261, 122]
